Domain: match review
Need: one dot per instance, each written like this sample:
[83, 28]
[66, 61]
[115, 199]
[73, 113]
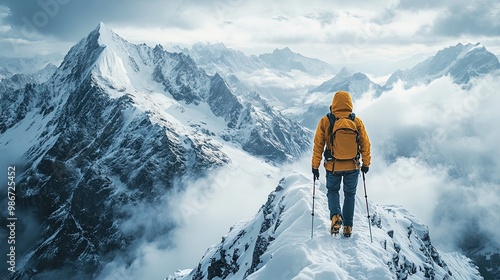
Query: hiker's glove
[365, 169]
[315, 173]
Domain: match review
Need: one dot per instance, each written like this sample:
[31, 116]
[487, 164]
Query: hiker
[341, 138]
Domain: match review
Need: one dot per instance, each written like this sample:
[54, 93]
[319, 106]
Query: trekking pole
[312, 213]
[367, 211]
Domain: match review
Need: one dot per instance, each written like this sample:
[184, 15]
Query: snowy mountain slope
[461, 62]
[90, 156]
[117, 127]
[276, 244]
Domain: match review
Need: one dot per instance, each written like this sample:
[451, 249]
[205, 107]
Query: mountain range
[461, 62]
[11, 81]
[218, 58]
[118, 127]
[265, 73]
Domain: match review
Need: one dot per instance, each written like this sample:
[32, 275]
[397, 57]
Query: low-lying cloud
[202, 211]
[434, 149]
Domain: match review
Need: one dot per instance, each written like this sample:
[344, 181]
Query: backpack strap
[332, 119]
[352, 116]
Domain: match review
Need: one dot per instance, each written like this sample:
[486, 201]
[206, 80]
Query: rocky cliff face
[117, 126]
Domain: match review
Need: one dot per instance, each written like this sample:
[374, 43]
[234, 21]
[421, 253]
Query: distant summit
[355, 83]
[460, 62]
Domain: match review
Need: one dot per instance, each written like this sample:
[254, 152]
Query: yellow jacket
[341, 108]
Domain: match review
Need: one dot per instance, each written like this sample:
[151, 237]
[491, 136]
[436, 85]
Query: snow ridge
[276, 244]
[461, 62]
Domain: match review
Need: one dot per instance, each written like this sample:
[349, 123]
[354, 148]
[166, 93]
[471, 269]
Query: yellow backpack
[343, 139]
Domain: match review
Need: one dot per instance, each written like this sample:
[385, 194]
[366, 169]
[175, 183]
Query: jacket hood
[341, 103]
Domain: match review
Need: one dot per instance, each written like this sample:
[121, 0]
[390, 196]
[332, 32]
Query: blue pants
[350, 180]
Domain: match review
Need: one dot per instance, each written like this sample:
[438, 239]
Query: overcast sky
[342, 33]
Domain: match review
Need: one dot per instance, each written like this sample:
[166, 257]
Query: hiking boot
[336, 223]
[347, 231]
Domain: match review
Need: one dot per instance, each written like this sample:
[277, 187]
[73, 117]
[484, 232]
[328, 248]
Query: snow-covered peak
[284, 51]
[463, 49]
[344, 73]
[477, 45]
[107, 36]
[355, 83]
[114, 66]
[276, 243]
[114, 63]
[461, 62]
[147, 120]
[99, 56]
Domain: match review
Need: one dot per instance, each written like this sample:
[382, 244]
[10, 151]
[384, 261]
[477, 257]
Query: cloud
[72, 19]
[434, 152]
[459, 17]
[467, 215]
[428, 4]
[293, 80]
[355, 33]
[473, 19]
[202, 213]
